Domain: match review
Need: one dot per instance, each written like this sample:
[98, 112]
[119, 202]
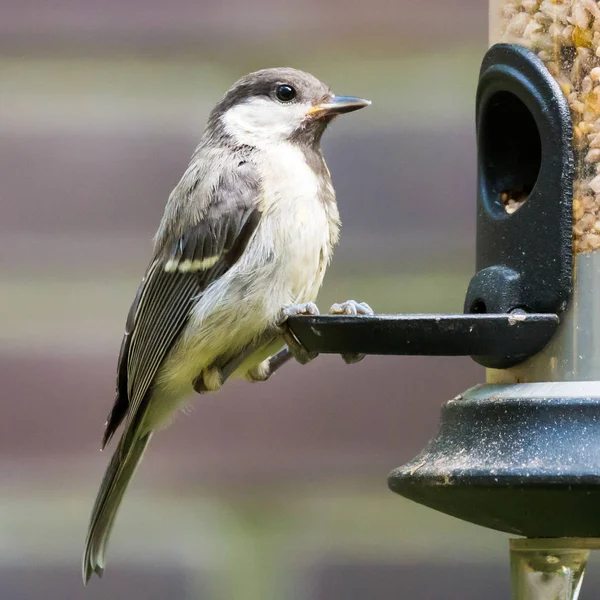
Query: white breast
[283, 264]
[300, 221]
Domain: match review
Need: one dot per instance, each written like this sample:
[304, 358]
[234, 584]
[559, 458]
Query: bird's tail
[116, 479]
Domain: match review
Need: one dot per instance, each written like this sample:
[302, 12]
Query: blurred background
[262, 492]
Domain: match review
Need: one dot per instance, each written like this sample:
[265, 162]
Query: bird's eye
[285, 93]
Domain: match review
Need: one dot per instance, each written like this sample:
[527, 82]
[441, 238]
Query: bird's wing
[179, 272]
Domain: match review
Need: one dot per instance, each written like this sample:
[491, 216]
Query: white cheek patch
[261, 121]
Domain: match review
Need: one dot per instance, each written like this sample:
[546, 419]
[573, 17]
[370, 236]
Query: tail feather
[119, 473]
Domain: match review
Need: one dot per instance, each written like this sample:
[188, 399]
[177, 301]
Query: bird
[245, 239]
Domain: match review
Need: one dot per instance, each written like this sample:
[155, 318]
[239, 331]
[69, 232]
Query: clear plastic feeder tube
[549, 569]
[565, 35]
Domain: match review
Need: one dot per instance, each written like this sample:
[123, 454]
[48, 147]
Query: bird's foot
[351, 308]
[267, 367]
[210, 380]
[261, 372]
[298, 351]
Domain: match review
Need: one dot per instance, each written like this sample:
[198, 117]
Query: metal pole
[548, 569]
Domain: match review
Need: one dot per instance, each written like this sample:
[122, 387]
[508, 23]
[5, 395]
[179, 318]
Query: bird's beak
[337, 105]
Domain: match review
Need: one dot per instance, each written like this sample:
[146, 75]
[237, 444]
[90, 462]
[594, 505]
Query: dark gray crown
[265, 83]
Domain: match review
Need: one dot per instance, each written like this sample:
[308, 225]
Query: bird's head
[278, 105]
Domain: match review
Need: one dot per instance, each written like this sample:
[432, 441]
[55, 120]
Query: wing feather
[177, 275]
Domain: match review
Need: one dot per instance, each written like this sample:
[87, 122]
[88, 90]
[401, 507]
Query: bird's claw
[294, 310]
[298, 351]
[351, 308]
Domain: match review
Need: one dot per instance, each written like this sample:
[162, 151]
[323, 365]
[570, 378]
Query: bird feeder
[520, 453]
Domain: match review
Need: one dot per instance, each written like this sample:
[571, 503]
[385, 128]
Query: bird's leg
[267, 367]
[296, 349]
[212, 378]
[352, 309]
[293, 349]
